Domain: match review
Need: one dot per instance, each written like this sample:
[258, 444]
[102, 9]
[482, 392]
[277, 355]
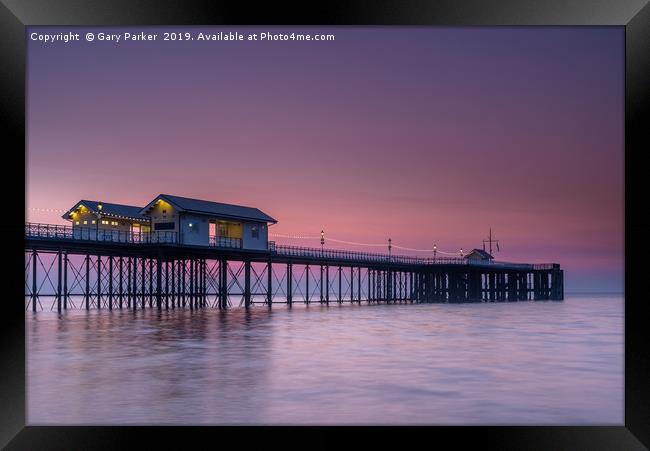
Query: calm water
[518, 363]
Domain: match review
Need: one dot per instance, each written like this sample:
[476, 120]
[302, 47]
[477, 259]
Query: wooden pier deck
[136, 271]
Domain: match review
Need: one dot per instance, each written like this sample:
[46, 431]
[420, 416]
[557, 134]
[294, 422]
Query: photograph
[385, 219]
[324, 225]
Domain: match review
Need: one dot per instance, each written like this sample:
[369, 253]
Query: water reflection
[522, 363]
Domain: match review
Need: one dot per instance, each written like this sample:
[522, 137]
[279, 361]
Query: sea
[501, 363]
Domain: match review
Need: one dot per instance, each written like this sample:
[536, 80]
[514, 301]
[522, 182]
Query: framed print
[424, 214]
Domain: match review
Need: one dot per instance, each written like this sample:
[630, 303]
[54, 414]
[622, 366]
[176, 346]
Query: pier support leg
[143, 280]
[173, 282]
[375, 285]
[327, 285]
[110, 282]
[150, 283]
[59, 257]
[34, 280]
[388, 286]
[128, 282]
[120, 289]
[191, 284]
[87, 292]
[134, 284]
[223, 286]
[269, 283]
[340, 296]
[289, 284]
[359, 285]
[99, 282]
[166, 285]
[307, 284]
[199, 283]
[158, 283]
[183, 291]
[351, 284]
[247, 284]
[65, 281]
[321, 284]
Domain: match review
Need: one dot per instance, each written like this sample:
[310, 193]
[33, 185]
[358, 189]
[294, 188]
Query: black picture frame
[634, 15]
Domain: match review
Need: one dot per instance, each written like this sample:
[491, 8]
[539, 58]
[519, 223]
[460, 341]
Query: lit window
[77, 222]
[85, 222]
[103, 221]
[94, 222]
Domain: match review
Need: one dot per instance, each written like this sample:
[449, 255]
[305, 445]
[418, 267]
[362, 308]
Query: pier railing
[64, 232]
[336, 254]
[222, 241]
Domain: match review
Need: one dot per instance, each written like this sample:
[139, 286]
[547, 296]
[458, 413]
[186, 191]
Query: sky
[425, 135]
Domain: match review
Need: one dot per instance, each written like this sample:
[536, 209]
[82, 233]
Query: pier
[122, 269]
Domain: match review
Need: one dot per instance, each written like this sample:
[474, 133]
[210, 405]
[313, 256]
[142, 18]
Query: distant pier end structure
[479, 255]
[178, 252]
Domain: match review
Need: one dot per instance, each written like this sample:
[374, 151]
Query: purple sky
[424, 135]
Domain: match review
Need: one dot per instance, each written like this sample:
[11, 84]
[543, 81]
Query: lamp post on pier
[322, 241]
[389, 247]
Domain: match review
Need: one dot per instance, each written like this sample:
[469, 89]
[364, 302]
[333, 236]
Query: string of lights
[47, 210]
[354, 243]
[103, 213]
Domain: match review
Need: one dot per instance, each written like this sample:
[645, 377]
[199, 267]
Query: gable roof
[481, 253]
[212, 208]
[108, 209]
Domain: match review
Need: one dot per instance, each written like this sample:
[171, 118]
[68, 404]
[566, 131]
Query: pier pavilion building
[202, 223]
[175, 219]
[89, 217]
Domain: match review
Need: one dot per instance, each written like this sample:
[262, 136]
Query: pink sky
[424, 135]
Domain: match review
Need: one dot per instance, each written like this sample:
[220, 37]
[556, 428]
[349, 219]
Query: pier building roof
[108, 209]
[212, 208]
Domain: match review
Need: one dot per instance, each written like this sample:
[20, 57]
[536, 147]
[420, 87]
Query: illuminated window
[77, 222]
[103, 221]
[85, 222]
[94, 222]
